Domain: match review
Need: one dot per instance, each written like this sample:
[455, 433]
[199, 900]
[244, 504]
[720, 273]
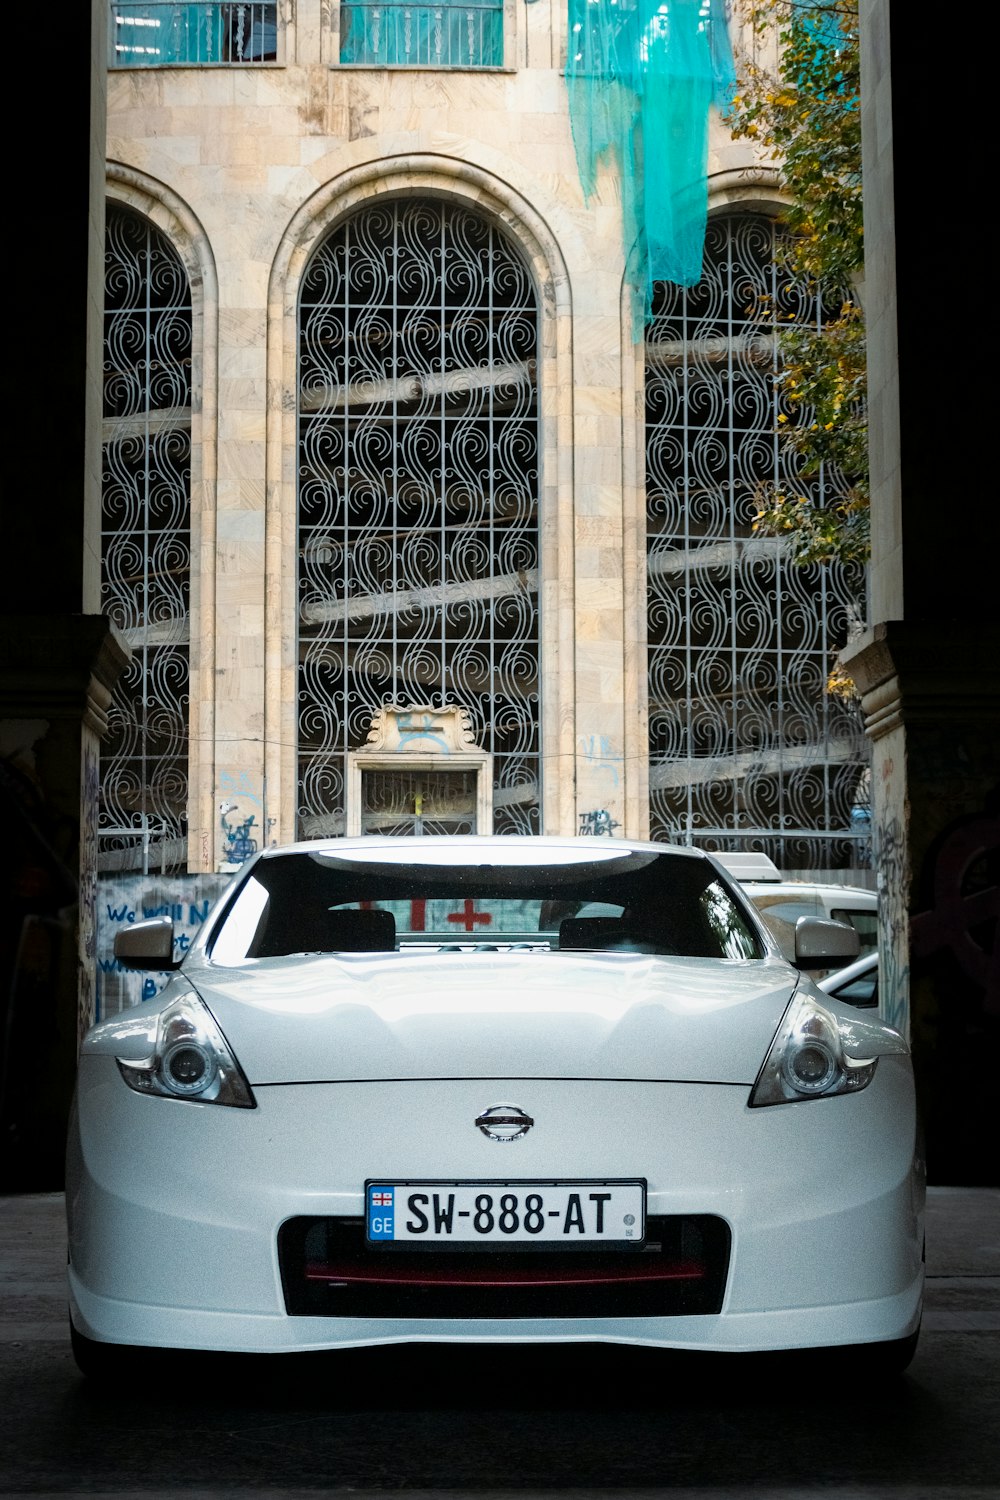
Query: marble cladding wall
[244, 168]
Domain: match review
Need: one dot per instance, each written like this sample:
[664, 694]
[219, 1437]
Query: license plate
[611, 1214]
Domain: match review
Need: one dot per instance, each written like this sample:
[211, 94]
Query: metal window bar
[163, 33]
[418, 802]
[746, 747]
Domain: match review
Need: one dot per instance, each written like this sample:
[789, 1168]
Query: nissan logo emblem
[504, 1122]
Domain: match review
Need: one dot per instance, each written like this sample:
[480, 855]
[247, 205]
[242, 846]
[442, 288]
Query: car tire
[95, 1360]
[100, 1361]
[886, 1360]
[895, 1356]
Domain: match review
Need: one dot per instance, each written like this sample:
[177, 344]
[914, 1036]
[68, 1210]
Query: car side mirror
[820, 944]
[147, 945]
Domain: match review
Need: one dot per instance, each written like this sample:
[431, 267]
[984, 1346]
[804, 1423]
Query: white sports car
[492, 1089]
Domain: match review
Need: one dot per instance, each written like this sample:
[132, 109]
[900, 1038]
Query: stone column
[927, 669]
[57, 674]
[58, 658]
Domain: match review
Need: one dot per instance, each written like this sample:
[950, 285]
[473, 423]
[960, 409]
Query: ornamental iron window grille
[146, 546]
[446, 35]
[748, 750]
[165, 33]
[408, 802]
[418, 485]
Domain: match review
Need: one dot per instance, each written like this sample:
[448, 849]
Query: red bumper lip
[346, 1273]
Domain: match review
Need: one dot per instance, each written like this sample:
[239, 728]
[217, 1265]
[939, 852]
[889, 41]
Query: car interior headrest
[603, 933]
[320, 930]
[360, 931]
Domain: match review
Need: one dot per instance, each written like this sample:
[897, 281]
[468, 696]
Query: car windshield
[636, 901]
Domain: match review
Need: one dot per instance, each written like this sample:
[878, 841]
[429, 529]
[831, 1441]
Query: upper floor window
[448, 35]
[163, 33]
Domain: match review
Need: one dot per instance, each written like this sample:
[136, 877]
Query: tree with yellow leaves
[802, 109]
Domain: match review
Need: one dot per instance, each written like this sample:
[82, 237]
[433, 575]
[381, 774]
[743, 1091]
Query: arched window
[146, 545]
[418, 507]
[747, 748]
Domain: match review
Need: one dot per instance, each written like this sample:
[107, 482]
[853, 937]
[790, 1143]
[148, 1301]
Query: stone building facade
[189, 161]
[418, 451]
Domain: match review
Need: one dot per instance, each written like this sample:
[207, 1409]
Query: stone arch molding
[180, 226]
[756, 189]
[415, 176]
[426, 176]
[174, 219]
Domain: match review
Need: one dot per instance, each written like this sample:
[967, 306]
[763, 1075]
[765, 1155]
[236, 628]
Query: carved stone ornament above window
[421, 731]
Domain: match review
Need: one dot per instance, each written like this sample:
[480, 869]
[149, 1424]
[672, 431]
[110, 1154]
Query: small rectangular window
[163, 33]
[448, 35]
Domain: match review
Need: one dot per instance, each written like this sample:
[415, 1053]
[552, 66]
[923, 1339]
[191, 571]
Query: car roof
[506, 845]
[749, 865]
[832, 893]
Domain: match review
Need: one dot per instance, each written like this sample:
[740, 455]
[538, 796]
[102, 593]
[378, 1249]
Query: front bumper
[175, 1208]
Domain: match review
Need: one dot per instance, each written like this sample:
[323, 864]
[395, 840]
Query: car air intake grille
[327, 1270]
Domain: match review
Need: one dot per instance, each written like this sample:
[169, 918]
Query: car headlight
[816, 1054]
[191, 1059]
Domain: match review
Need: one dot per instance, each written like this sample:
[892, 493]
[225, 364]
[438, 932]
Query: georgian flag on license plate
[381, 1223]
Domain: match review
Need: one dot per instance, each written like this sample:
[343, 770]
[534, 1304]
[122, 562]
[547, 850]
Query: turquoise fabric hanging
[642, 75]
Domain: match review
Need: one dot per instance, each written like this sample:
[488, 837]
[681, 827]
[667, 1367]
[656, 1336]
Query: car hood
[512, 1015]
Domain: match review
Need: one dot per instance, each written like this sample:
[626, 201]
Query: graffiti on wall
[598, 823]
[891, 858]
[422, 731]
[238, 842]
[241, 817]
[894, 962]
[600, 754]
[965, 905]
[87, 942]
[123, 899]
[238, 784]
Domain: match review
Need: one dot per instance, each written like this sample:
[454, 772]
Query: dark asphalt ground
[512, 1421]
